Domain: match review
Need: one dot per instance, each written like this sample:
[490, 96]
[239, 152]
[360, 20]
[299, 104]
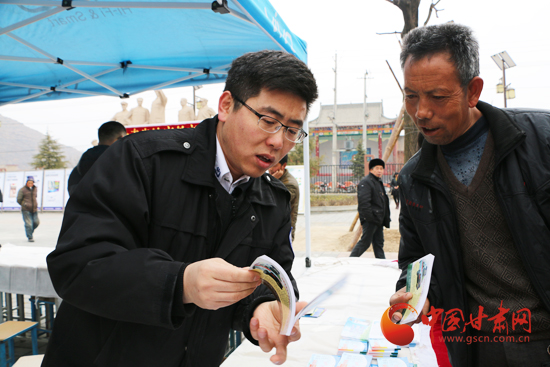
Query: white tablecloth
[366, 295]
[23, 270]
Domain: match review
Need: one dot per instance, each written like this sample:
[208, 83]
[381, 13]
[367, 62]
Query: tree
[296, 158]
[49, 155]
[358, 162]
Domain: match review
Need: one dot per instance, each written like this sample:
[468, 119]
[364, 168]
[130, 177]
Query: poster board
[2, 177]
[12, 183]
[54, 189]
[298, 173]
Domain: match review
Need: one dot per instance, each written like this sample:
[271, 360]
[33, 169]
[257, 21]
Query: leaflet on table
[394, 362]
[315, 313]
[419, 274]
[354, 360]
[323, 360]
[277, 280]
[353, 346]
[356, 329]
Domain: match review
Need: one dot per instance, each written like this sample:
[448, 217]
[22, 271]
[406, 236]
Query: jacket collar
[199, 169]
[375, 178]
[506, 135]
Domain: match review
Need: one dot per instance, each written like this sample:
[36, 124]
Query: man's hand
[265, 326]
[214, 283]
[278, 174]
[401, 296]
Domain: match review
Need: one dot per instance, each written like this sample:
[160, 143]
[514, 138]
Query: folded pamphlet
[277, 280]
[419, 274]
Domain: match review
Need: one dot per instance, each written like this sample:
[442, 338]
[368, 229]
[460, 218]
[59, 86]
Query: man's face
[30, 184]
[378, 171]
[248, 149]
[438, 104]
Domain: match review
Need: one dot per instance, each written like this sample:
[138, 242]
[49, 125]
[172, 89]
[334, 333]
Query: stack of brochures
[365, 337]
[361, 342]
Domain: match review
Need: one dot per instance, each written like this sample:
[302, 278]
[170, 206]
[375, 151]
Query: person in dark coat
[107, 134]
[27, 198]
[280, 172]
[476, 196]
[374, 211]
[152, 261]
[394, 187]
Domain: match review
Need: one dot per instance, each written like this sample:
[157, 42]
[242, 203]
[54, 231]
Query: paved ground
[328, 224]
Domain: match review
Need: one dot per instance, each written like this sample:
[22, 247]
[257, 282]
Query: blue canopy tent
[72, 48]
[58, 49]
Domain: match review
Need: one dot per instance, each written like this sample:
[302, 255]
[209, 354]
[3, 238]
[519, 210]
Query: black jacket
[372, 202]
[428, 222]
[84, 164]
[127, 235]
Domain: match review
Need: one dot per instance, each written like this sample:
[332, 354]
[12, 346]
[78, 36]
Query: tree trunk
[409, 8]
[411, 137]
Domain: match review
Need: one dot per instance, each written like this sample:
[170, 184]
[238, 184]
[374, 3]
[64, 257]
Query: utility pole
[365, 113]
[334, 127]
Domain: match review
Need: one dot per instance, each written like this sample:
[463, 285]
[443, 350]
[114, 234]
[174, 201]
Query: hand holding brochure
[276, 279]
[419, 274]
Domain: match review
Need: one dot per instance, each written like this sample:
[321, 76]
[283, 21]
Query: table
[23, 270]
[366, 295]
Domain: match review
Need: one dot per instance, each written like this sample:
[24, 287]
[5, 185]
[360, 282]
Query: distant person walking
[374, 211]
[395, 189]
[27, 198]
[107, 134]
[280, 172]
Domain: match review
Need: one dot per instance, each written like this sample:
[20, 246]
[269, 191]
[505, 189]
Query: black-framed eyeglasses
[272, 125]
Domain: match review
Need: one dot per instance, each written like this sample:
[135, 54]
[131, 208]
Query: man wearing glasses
[153, 255]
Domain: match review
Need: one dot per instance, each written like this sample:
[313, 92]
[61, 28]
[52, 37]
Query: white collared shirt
[221, 170]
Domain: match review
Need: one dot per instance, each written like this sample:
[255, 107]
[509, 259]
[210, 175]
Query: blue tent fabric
[116, 47]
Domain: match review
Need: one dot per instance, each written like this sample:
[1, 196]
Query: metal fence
[345, 178]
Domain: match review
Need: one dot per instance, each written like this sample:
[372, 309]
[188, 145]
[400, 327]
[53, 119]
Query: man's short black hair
[272, 70]
[110, 131]
[456, 39]
[284, 160]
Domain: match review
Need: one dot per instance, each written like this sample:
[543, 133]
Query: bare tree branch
[396, 32]
[432, 7]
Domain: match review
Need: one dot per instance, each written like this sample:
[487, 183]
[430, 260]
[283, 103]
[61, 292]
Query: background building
[349, 121]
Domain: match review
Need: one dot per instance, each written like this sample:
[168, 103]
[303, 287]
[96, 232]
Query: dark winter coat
[372, 202]
[393, 185]
[428, 222]
[27, 198]
[86, 162]
[127, 235]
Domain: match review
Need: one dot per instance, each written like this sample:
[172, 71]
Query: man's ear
[474, 91]
[225, 105]
[283, 166]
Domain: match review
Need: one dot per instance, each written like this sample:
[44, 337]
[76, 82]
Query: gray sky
[349, 29]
